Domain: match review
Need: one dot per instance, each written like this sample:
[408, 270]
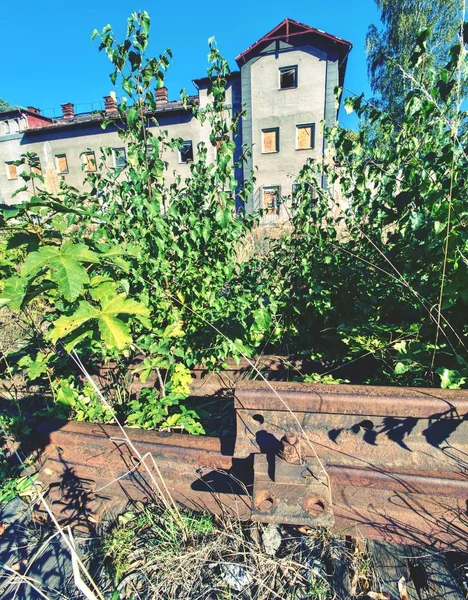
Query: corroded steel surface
[396, 462]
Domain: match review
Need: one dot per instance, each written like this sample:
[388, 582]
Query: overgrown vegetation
[144, 277]
[137, 268]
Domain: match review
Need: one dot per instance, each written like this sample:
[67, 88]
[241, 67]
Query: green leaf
[70, 277]
[439, 227]
[450, 379]
[123, 305]
[13, 293]
[115, 333]
[37, 367]
[66, 324]
[38, 260]
[223, 216]
[401, 368]
[63, 266]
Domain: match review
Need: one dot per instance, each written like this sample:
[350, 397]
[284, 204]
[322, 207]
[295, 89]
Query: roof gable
[286, 30]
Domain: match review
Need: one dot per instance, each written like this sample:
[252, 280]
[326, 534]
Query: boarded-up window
[288, 77]
[89, 161]
[271, 196]
[61, 163]
[305, 136]
[12, 172]
[270, 140]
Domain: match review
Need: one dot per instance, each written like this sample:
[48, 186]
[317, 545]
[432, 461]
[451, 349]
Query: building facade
[285, 82]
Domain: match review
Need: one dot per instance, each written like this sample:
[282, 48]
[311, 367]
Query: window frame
[274, 210]
[8, 164]
[269, 130]
[283, 70]
[295, 186]
[312, 135]
[189, 160]
[84, 160]
[57, 157]
[115, 152]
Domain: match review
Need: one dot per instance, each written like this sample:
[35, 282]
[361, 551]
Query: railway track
[372, 462]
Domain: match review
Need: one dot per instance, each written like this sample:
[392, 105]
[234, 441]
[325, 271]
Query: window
[270, 140]
[302, 191]
[6, 127]
[271, 198]
[89, 162]
[61, 163]
[305, 136]
[120, 157]
[288, 78]
[186, 152]
[11, 170]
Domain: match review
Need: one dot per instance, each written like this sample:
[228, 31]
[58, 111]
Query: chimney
[110, 104]
[161, 96]
[68, 111]
[36, 111]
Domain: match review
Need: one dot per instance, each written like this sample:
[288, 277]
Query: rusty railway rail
[373, 462]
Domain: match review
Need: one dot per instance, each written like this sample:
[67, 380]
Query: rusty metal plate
[295, 494]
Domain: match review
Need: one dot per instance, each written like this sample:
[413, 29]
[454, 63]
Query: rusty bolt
[290, 438]
[291, 448]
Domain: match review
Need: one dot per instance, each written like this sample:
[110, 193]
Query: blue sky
[52, 59]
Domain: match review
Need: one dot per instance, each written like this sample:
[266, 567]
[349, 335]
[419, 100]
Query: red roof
[288, 29]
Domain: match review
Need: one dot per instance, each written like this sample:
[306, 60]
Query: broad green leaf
[63, 266]
[122, 305]
[79, 252]
[70, 277]
[439, 227]
[37, 368]
[13, 293]
[36, 261]
[115, 333]
[66, 324]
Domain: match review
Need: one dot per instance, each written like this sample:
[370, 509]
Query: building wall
[10, 151]
[256, 89]
[74, 142]
[269, 106]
